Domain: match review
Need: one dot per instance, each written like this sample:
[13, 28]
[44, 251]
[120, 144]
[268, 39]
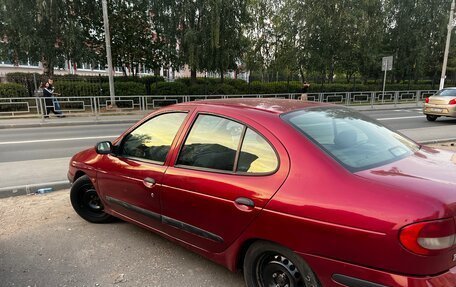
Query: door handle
[245, 202]
[149, 182]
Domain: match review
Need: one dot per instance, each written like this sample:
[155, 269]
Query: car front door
[130, 181]
[223, 176]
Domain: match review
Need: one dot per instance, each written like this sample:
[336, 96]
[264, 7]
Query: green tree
[416, 35]
[16, 30]
[225, 32]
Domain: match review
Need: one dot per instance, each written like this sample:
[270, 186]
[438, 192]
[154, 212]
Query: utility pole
[447, 47]
[108, 52]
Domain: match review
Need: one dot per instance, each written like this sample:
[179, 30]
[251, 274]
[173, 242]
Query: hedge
[12, 90]
[84, 89]
[69, 87]
[171, 88]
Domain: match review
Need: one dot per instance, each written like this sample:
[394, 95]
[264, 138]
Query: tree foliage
[319, 40]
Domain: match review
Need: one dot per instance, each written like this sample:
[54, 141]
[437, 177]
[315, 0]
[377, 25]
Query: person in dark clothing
[48, 94]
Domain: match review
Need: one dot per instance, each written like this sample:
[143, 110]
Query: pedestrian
[57, 107]
[304, 89]
[49, 101]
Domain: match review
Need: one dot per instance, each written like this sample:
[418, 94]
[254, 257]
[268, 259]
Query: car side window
[152, 140]
[257, 155]
[212, 143]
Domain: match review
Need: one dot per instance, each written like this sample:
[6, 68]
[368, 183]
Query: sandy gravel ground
[43, 242]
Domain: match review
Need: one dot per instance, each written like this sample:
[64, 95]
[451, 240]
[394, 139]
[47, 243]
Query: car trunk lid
[440, 100]
[428, 172]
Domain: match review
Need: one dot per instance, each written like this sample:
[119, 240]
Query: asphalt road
[53, 142]
[41, 154]
[62, 142]
[404, 119]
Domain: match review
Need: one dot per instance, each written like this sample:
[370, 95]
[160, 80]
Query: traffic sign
[387, 63]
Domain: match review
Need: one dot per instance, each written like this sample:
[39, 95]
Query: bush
[171, 88]
[85, 89]
[77, 89]
[12, 90]
[223, 89]
[125, 89]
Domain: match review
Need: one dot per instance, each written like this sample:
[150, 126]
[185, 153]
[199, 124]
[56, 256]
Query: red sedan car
[293, 193]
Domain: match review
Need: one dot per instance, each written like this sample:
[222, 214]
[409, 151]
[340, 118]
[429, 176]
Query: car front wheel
[267, 264]
[86, 202]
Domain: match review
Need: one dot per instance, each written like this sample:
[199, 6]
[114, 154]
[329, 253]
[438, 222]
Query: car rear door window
[212, 143]
[152, 140]
[215, 143]
[257, 155]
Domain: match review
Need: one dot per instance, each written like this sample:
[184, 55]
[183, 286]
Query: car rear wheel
[267, 264]
[85, 201]
[431, 118]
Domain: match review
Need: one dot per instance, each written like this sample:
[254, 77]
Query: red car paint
[340, 222]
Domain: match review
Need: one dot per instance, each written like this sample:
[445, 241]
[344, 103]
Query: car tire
[269, 264]
[431, 118]
[85, 201]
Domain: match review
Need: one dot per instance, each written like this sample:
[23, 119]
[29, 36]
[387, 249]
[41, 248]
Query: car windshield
[447, 93]
[356, 141]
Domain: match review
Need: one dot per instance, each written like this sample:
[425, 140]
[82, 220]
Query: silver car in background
[441, 104]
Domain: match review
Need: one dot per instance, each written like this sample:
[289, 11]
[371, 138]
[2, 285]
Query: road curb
[363, 109]
[32, 188]
[438, 141]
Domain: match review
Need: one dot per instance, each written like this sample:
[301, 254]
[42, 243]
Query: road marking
[58, 140]
[399, 118]
[408, 110]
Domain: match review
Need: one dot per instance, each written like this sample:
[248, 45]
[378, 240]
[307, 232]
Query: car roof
[271, 105]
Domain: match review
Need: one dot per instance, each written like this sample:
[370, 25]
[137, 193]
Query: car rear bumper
[333, 273]
[440, 110]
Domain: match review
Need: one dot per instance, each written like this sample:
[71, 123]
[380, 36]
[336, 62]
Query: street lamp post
[108, 52]
[447, 47]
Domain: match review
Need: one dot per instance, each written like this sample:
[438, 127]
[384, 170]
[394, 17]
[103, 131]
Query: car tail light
[452, 102]
[426, 100]
[430, 237]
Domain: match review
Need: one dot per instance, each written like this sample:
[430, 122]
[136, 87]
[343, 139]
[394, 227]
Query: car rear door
[225, 173]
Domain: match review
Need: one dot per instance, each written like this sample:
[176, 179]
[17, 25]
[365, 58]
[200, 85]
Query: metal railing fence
[100, 105]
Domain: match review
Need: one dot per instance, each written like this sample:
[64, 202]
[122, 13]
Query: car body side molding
[167, 220]
[354, 282]
[192, 229]
[134, 208]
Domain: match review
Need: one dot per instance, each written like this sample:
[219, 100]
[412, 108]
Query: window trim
[176, 136]
[234, 171]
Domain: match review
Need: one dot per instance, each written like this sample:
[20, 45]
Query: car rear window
[447, 93]
[354, 140]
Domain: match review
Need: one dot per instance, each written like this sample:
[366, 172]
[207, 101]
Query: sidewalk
[78, 119]
[69, 120]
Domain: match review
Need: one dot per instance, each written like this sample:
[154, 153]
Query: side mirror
[104, 147]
